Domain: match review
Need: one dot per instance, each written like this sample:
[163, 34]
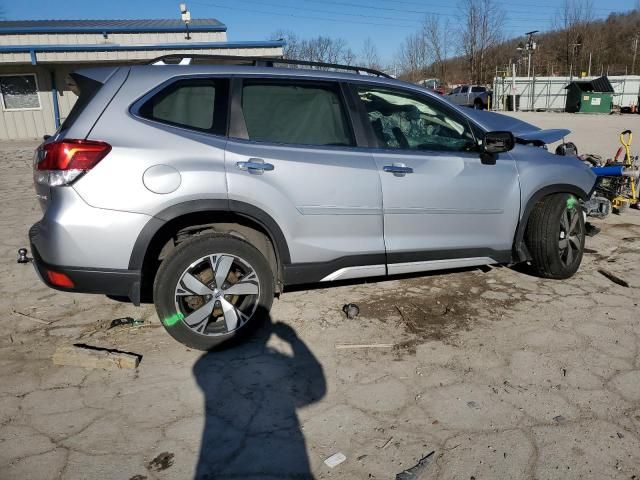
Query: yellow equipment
[628, 194]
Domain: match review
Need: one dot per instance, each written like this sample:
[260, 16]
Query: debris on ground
[473, 405]
[30, 317]
[415, 472]
[559, 419]
[591, 230]
[161, 462]
[351, 310]
[614, 278]
[335, 460]
[125, 321]
[386, 444]
[345, 346]
[81, 355]
[22, 256]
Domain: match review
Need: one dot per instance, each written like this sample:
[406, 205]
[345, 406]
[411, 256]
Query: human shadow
[251, 395]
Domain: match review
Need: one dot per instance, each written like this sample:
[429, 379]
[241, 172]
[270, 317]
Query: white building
[36, 57]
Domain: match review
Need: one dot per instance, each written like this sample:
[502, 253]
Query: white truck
[474, 96]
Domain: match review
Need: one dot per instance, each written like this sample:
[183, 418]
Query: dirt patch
[439, 306]
[161, 462]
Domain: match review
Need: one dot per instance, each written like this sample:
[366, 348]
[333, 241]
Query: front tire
[555, 236]
[212, 288]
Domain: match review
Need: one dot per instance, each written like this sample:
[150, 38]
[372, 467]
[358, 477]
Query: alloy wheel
[571, 234]
[217, 294]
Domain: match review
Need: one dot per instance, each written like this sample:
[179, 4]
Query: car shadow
[251, 393]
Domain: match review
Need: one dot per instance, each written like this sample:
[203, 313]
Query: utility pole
[635, 53]
[574, 46]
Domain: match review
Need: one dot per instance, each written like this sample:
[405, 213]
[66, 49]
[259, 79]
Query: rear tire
[555, 236]
[478, 104]
[213, 288]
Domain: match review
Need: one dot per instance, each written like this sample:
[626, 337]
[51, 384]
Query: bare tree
[291, 48]
[318, 49]
[574, 20]
[482, 28]
[369, 55]
[413, 58]
[436, 35]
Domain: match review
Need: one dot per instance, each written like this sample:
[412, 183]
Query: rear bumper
[106, 281]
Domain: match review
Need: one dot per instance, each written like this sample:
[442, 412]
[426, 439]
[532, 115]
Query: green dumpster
[590, 96]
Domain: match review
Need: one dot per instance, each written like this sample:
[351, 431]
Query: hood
[523, 131]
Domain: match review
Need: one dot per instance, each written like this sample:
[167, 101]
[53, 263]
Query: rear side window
[295, 114]
[197, 104]
[478, 89]
[85, 88]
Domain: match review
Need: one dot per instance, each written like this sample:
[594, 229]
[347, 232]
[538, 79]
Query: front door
[442, 206]
[294, 156]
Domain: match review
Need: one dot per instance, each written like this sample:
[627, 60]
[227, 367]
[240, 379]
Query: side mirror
[498, 142]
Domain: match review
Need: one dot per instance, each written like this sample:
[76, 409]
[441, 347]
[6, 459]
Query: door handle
[256, 166]
[398, 169]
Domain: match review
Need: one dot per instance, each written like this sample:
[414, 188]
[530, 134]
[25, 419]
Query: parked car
[475, 96]
[207, 189]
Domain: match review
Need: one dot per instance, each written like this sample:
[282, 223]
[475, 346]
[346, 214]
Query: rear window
[478, 89]
[295, 114]
[197, 104]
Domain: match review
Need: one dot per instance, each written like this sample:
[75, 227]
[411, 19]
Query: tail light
[61, 163]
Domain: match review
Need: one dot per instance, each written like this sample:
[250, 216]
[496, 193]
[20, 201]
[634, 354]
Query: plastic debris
[335, 460]
[351, 310]
[22, 256]
[415, 472]
[125, 321]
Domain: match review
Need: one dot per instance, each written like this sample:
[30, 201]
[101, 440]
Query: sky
[386, 22]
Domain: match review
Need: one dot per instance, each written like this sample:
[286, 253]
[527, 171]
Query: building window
[19, 92]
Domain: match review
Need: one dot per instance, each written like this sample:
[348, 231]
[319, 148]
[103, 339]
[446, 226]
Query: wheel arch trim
[246, 210]
[520, 251]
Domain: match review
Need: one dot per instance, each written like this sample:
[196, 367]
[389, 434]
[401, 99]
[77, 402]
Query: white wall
[549, 92]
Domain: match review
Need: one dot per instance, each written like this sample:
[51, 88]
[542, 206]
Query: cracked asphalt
[503, 375]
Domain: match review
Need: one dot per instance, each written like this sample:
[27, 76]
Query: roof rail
[194, 58]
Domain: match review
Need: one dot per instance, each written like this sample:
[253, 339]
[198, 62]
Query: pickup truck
[474, 96]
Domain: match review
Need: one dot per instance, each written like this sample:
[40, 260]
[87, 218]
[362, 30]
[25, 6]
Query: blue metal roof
[111, 47]
[109, 26]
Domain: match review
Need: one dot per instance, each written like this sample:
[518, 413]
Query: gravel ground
[501, 374]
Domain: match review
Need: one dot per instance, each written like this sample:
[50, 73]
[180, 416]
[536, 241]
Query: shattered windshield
[400, 121]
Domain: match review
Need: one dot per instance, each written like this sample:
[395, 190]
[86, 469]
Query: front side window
[19, 92]
[402, 121]
[295, 113]
[464, 90]
[198, 104]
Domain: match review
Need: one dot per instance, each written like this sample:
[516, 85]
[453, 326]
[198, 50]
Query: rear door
[442, 206]
[293, 153]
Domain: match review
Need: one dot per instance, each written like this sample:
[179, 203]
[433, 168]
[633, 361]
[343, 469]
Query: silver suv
[210, 188]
